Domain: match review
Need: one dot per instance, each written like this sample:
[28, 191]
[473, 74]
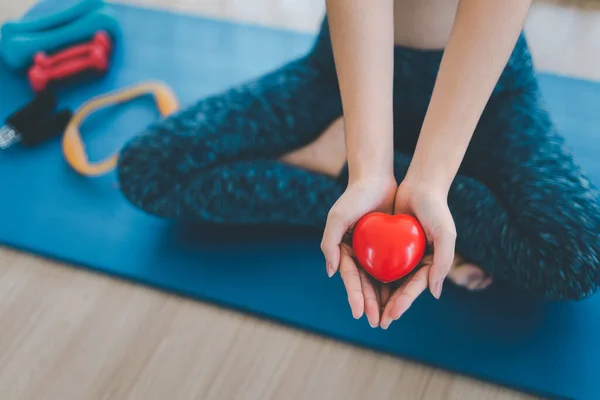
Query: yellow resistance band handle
[72, 143]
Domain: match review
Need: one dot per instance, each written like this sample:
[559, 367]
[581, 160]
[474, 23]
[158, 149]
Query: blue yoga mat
[548, 349]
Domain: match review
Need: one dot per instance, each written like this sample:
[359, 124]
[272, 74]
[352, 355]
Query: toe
[484, 284]
[466, 274]
[469, 276]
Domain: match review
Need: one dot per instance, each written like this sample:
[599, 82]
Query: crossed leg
[524, 211]
[217, 161]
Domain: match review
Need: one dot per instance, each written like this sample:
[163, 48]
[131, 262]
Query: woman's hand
[428, 203]
[361, 197]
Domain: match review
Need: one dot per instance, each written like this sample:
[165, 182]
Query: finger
[351, 278]
[335, 228]
[443, 256]
[404, 296]
[371, 300]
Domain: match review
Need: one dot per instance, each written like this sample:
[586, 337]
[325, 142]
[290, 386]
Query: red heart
[387, 246]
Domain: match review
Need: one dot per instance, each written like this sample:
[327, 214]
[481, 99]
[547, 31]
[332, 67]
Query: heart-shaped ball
[387, 246]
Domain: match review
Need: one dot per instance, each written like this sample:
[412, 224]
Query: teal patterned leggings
[524, 210]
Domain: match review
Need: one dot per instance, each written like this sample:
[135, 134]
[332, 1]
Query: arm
[362, 36]
[482, 39]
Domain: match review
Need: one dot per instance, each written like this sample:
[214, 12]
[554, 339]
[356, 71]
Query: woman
[438, 97]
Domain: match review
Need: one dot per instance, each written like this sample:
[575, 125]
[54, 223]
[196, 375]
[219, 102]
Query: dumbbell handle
[44, 61]
[73, 67]
[72, 52]
[40, 77]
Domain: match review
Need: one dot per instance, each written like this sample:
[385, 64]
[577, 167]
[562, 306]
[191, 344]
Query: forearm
[482, 39]
[362, 35]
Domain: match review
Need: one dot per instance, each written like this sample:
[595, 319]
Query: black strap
[46, 128]
[29, 116]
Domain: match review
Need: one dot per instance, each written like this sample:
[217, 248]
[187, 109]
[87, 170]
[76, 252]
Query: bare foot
[467, 275]
[463, 274]
[326, 155]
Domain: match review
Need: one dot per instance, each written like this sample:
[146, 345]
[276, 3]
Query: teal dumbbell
[21, 40]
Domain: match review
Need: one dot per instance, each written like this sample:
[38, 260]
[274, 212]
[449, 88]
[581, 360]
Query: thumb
[444, 240]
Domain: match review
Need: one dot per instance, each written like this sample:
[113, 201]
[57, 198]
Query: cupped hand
[430, 206]
[360, 198]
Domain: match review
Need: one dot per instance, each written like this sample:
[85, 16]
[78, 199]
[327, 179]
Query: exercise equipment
[66, 26]
[548, 349]
[91, 56]
[34, 123]
[73, 145]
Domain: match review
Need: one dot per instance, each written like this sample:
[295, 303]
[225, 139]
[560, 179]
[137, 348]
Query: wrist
[371, 159]
[428, 178]
[373, 178]
[436, 159]
[369, 144]
[370, 174]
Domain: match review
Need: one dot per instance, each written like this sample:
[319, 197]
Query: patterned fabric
[524, 210]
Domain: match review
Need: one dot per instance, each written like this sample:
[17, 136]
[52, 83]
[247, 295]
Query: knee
[566, 244]
[135, 171]
[577, 245]
[570, 271]
[147, 175]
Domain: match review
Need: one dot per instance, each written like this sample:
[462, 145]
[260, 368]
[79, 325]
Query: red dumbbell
[94, 55]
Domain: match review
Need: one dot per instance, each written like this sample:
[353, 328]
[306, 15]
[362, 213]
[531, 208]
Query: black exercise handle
[46, 128]
[32, 113]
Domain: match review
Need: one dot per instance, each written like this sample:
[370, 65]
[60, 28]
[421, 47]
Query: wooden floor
[67, 334]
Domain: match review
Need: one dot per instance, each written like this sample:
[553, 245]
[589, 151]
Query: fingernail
[437, 290]
[385, 323]
[399, 313]
[330, 270]
[372, 324]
